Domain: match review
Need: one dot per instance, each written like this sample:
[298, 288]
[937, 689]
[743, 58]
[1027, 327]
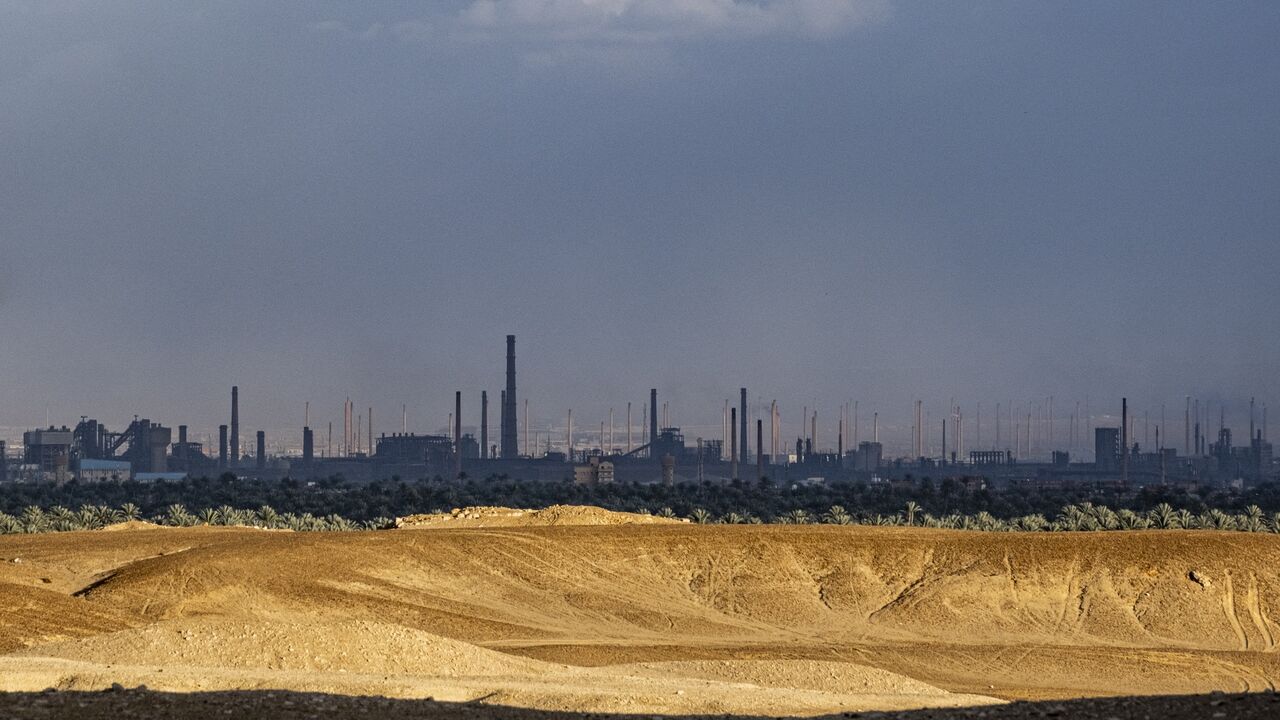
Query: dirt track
[668, 618]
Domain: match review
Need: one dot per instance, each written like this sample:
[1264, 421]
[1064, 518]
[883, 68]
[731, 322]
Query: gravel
[141, 703]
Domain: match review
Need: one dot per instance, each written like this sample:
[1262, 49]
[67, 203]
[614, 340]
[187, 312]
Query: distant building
[49, 450]
[409, 449]
[868, 457]
[594, 472]
[1106, 448]
[95, 470]
[990, 457]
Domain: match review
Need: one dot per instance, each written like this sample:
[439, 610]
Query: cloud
[618, 21]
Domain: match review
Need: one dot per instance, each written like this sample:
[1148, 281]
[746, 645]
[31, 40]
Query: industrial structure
[1025, 448]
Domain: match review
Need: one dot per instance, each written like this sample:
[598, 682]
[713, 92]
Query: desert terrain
[575, 610]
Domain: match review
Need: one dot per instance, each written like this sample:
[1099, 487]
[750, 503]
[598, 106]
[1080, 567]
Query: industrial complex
[749, 449]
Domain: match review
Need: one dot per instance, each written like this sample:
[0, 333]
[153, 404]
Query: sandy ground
[578, 610]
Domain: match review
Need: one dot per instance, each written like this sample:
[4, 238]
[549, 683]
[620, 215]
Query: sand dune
[663, 617]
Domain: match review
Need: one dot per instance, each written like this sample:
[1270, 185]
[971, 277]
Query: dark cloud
[819, 199]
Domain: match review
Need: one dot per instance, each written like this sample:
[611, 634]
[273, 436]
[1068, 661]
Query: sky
[821, 200]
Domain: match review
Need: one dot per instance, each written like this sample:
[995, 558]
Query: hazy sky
[819, 199]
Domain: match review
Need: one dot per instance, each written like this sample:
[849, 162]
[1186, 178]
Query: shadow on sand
[143, 703]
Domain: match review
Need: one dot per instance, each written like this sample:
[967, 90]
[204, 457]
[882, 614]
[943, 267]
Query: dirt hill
[482, 516]
[655, 617]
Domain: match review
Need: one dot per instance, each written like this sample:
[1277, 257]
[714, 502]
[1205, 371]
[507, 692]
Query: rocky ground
[140, 703]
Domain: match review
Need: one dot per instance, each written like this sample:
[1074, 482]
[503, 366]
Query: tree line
[335, 504]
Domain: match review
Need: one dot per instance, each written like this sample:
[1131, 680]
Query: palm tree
[9, 524]
[732, 518]
[1129, 520]
[227, 515]
[667, 512]
[1163, 517]
[207, 516]
[1249, 523]
[130, 512]
[268, 517]
[912, 508]
[700, 516]
[794, 517]
[1106, 518]
[837, 515]
[1031, 523]
[1274, 524]
[177, 516]
[34, 519]
[336, 522]
[1185, 519]
[1215, 519]
[987, 521]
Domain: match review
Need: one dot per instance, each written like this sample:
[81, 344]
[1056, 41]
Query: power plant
[1026, 451]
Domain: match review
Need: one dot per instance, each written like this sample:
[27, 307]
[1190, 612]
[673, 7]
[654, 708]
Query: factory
[1023, 450]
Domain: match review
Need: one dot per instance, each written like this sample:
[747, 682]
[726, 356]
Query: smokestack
[308, 447]
[222, 446]
[235, 424]
[840, 439]
[510, 436]
[1186, 441]
[628, 428]
[653, 421]
[733, 443]
[181, 450]
[1124, 440]
[759, 450]
[484, 425]
[457, 433]
[262, 450]
[742, 430]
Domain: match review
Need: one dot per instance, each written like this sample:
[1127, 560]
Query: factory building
[1106, 448]
[410, 449]
[48, 450]
[596, 471]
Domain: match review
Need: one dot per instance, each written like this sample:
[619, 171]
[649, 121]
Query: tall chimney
[484, 425]
[510, 438]
[1124, 440]
[235, 424]
[262, 450]
[308, 447]
[457, 433]
[733, 443]
[181, 449]
[759, 450]
[222, 446]
[653, 421]
[742, 428]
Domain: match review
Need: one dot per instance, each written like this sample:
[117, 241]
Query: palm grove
[334, 504]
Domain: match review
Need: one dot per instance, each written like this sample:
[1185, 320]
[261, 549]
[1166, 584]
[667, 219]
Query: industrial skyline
[1031, 429]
